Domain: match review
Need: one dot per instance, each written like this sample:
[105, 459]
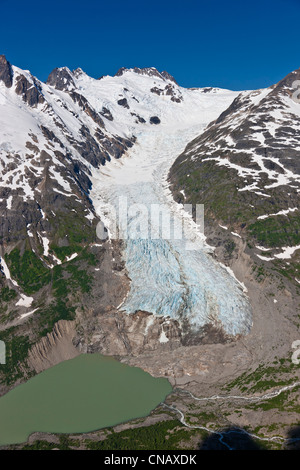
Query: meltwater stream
[167, 278]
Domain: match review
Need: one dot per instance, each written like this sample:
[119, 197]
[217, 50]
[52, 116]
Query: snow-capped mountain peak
[50, 133]
[148, 71]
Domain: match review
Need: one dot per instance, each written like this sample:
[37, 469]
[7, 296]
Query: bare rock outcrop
[54, 348]
[6, 73]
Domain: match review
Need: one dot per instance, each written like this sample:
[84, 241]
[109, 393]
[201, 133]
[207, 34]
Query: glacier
[168, 278]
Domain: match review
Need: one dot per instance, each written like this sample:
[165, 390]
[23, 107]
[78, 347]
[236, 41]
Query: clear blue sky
[235, 44]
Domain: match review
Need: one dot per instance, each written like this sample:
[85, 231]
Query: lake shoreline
[113, 393]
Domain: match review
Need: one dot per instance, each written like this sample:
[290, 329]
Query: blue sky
[232, 44]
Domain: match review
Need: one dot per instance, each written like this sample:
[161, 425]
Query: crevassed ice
[169, 280]
[166, 278]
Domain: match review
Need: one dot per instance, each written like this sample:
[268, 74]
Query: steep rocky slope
[244, 168]
[70, 147]
[55, 139]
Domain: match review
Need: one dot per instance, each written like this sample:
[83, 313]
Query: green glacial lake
[80, 395]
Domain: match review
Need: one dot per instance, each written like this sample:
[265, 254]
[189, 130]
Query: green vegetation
[63, 251]
[280, 403]
[28, 270]
[74, 229]
[259, 272]
[17, 348]
[265, 377]
[165, 435]
[66, 283]
[7, 294]
[202, 418]
[69, 283]
[290, 270]
[69, 277]
[65, 443]
[50, 315]
[64, 286]
[217, 187]
[277, 231]
[41, 445]
[230, 246]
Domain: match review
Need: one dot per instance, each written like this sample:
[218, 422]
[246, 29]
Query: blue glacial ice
[167, 278]
[170, 280]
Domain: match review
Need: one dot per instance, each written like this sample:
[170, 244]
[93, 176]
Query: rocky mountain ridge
[246, 167]
[54, 138]
[65, 146]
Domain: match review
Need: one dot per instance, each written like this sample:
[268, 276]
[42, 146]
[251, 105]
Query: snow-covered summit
[148, 71]
[56, 137]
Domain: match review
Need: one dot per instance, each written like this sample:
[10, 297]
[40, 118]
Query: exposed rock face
[48, 170]
[85, 106]
[55, 273]
[149, 71]
[130, 335]
[90, 150]
[6, 73]
[49, 222]
[154, 120]
[286, 85]
[61, 79]
[139, 118]
[156, 90]
[119, 72]
[207, 90]
[245, 169]
[168, 90]
[56, 347]
[30, 92]
[167, 76]
[123, 102]
[255, 142]
[107, 114]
